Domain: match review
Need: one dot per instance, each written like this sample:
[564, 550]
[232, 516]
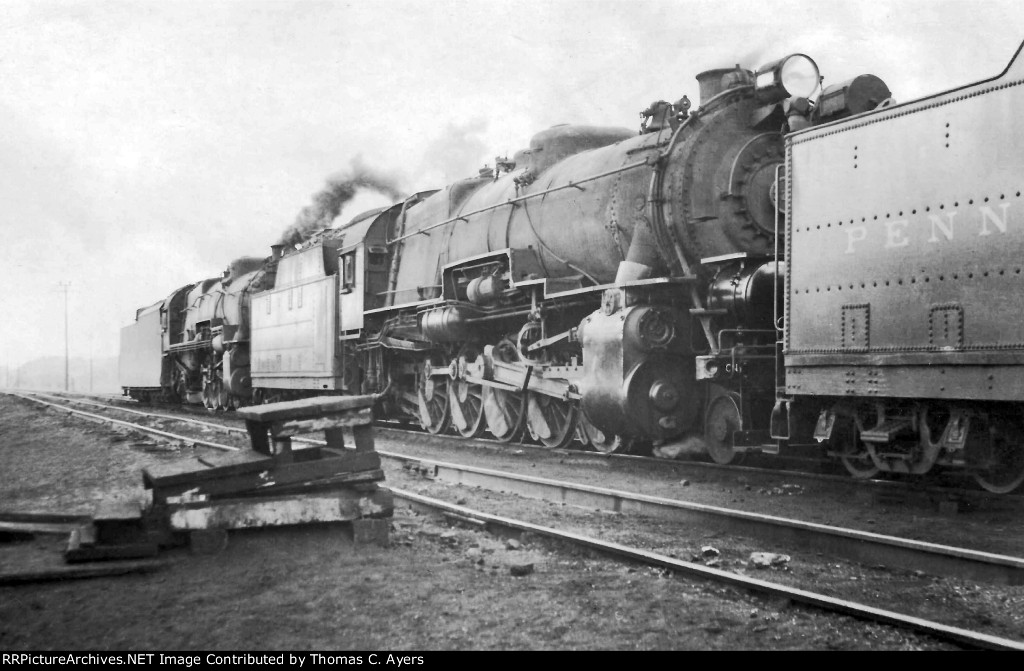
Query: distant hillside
[48, 373]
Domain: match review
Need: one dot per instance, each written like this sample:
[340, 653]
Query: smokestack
[710, 82]
[713, 82]
[275, 251]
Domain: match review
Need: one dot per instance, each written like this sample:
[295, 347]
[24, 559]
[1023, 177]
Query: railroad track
[508, 526]
[851, 544]
[911, 491]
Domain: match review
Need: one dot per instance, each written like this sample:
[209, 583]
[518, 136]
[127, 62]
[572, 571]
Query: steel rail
[136, 427]
[626, 502]
[601, 458]
[924, 492]
[851, 544]
[173, 418]
[861, 611]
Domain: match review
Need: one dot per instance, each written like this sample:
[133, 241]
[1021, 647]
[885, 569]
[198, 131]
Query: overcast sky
[146, 145]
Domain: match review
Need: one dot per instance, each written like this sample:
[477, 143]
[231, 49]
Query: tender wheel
[550, 420]
[855, 455]
[722, 419]
[860, 464]
[467, 400]
[997, 460]
[432, 397]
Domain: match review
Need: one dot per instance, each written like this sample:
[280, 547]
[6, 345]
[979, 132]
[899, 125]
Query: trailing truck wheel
[606, 443]
[721, 420]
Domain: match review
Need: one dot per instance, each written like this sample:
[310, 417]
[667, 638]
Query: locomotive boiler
[577, 290]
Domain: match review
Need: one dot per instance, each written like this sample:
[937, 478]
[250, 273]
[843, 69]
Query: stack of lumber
[274, 484]
[270, 485]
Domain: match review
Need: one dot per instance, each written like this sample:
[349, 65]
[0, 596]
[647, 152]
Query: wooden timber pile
[271, 485]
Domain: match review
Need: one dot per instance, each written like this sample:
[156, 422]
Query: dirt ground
[435, 588]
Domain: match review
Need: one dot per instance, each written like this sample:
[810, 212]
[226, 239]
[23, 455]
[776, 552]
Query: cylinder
[483, 290]
[445, 325]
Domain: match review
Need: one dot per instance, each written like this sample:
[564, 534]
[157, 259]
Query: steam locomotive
[782, 266]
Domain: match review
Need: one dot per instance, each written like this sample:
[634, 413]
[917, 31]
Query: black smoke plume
[339, 189]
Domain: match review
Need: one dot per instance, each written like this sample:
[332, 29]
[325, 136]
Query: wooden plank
[233, 481]
[360, 481]
[258, 436]
[160, 476]
[85, 534]
[363, 436]
[42, 517]
[225, 459]
[91, 553]
[279, 511]
[335, 438]
[283, 448]
[307, 407]
[20, 530]
[116, 510]
[291, 427]
[170, 472]
[79, 572]
[371, 531]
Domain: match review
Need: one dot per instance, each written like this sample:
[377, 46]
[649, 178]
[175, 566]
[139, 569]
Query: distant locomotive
[762, 272]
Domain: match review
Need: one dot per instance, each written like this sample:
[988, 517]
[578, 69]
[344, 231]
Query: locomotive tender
[770, 269]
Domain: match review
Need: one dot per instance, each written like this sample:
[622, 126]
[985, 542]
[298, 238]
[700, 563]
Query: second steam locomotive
[779, 266]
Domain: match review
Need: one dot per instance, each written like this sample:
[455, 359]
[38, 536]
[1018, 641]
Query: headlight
[795, 75]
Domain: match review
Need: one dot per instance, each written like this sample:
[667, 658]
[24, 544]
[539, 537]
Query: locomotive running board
[633, 284]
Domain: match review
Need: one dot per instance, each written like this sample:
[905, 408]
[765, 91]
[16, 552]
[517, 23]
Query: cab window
[348, 272]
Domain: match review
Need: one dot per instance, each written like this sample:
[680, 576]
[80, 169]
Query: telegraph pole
[64, 286]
